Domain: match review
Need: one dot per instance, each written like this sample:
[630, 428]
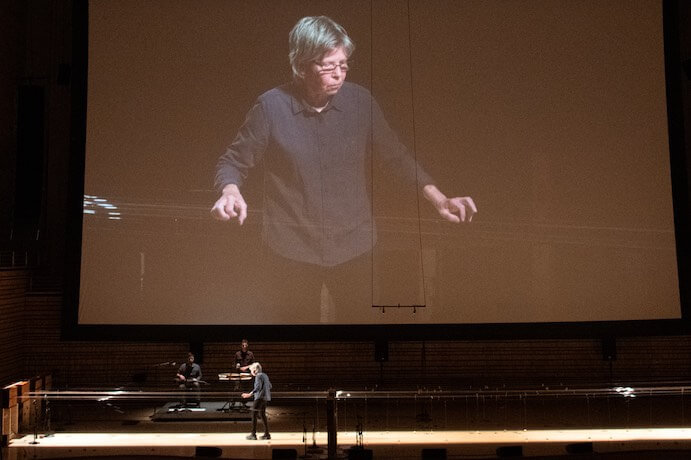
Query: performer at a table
[261, 395]
[244, 357]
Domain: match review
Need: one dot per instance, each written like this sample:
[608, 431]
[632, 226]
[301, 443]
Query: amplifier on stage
[23, 389]
[10, 413]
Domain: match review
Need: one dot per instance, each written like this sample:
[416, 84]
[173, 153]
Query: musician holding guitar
[189, 376]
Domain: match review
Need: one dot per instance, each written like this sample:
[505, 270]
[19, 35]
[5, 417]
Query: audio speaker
[284, 454]
[609, 349]
[30, 160]
[208, 452]
[509, 451]
[579, 448]
[433, 454]
[381, 351]
[197, 349]
[358, 453]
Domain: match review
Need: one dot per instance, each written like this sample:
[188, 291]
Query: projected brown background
[551, 115]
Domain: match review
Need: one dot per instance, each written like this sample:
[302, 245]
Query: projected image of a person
[317, 137]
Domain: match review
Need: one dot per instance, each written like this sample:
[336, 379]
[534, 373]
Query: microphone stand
[33, 411]
[304, 437]
[47, 432]
[314, 449]
[358, 434]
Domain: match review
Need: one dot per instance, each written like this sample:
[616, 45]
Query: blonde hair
[311, 38]
[256, 366]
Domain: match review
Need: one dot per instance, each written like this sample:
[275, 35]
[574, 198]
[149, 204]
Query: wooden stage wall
[30, 345]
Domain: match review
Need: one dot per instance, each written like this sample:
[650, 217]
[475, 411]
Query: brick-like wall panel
[31, 345]
[30, 325]
[13, 284]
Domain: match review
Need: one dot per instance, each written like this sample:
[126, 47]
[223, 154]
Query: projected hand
[457, 209]
[231, 204]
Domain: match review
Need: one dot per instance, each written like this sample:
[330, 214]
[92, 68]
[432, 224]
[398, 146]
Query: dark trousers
[259, 409]
[187, 387]
[295, 288]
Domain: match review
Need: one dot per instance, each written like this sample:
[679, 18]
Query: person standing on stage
[315, 137]
[262, 395]
[244, 357]
[188, 377]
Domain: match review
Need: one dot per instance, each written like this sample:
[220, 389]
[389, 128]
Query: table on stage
[237, 378]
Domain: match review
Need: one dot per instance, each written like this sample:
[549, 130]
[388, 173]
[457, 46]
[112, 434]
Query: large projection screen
[550, 114]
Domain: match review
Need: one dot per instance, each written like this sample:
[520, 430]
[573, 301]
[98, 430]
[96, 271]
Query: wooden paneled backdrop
[36, 44]
[31, 345]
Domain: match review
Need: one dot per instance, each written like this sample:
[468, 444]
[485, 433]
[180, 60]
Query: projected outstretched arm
[456, 209]
[298, 154]
[232, 205]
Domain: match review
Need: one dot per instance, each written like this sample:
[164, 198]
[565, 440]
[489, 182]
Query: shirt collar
[299, 105]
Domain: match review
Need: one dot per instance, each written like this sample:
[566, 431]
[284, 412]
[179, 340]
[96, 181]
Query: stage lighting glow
[626, 392]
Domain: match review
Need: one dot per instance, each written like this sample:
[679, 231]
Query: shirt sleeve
[245, 151]
[392, 155]
[257, 387]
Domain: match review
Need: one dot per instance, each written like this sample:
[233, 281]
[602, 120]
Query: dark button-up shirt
[193, 371]
[317, 164]
[262, 387]
[244, 358]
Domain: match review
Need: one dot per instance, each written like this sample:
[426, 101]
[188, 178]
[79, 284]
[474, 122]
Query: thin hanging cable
[371, 143]
[417, 179]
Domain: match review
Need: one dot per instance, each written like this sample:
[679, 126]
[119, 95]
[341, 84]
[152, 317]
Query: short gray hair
[312, 37]
[256, 366]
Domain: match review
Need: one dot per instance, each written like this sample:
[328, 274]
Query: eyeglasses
[329, 67]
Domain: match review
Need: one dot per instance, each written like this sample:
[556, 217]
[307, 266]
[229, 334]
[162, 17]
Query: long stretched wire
[371, 143]
[417, 178]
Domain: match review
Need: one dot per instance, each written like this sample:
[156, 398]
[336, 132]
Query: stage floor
[205, 411]
[467, 427]
[384, 444]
